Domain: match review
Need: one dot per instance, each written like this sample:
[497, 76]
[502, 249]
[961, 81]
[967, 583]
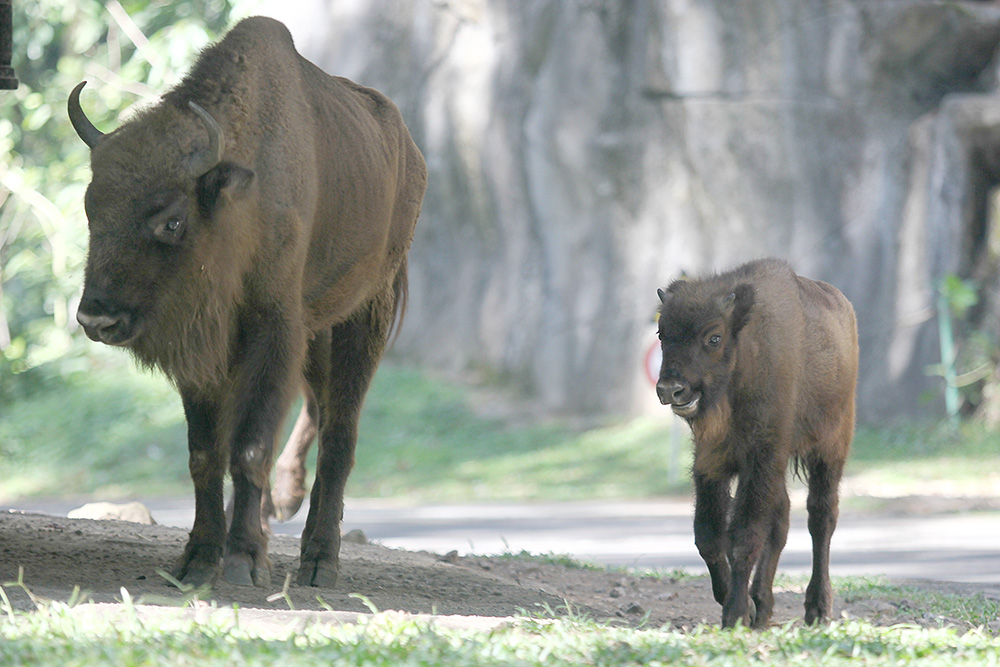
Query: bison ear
[225, 177]
[663, 295]
[738, 304]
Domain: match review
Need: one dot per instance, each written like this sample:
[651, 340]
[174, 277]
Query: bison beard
[248, 236]
[762, 364]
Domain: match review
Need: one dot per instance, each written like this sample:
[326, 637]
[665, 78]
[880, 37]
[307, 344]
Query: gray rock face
[581, 154]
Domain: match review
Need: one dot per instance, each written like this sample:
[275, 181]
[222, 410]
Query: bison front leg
[199, 564]
[711, 512]
[755, 506]
[262, 389]
[762, 590]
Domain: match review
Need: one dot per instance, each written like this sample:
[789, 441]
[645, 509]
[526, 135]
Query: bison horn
[211, 156]
[90, 134]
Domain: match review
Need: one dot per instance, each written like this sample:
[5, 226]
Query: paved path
[656, 534]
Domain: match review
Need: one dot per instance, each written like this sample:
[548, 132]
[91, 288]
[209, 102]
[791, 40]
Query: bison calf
[762, 364]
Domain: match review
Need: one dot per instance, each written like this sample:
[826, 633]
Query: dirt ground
[102, 557]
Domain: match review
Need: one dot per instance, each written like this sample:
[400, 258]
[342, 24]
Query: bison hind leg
[354, 350]
[822, 505]
[289, 488]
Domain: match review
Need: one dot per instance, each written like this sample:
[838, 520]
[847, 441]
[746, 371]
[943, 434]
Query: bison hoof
[286, 499]
[195, 574]
[239, 569]
[730, 618]
[319, 573]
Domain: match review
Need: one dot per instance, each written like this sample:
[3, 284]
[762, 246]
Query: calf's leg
[761, 591]
[755, 504]
[355, 350]
[711, 510]
[822, 505]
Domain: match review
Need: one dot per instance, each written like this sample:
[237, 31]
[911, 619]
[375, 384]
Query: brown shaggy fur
[762, 363]
[280, 269]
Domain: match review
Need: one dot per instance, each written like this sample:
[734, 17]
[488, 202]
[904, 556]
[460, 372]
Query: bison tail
[400, 295]
[800, 469]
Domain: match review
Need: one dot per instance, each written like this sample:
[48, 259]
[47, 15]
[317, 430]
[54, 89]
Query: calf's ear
[738, 305]
[225, 181]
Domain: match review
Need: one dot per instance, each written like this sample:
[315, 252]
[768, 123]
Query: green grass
[57, 634]
[918, 458]
[120, 432]
[117, 432]
[113, 432]
[942, 608]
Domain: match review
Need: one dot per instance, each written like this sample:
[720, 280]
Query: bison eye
[170, 230]
[714, 340]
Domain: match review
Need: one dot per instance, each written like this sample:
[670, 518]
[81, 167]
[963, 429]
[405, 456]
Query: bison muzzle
[248, 236]
[762, 364]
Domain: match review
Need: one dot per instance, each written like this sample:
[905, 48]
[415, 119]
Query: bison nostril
[105, 328]
[96, 322]
[670, 391]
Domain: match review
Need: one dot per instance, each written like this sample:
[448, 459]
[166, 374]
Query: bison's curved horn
[90, 134]
[211, 156]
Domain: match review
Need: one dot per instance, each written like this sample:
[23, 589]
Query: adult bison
[762, 364]
[248, 236]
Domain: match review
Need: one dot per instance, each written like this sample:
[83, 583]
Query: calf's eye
[173, 224]
[714, 340]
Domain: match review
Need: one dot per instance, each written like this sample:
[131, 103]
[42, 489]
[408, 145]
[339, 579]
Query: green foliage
[961, 295]
[43, 234]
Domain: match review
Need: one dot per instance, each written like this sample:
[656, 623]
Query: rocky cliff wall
[584, 152]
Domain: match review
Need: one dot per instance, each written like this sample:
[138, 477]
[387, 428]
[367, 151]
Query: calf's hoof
[819, 603]
[241, 569]
[318, 572]
[731, 617]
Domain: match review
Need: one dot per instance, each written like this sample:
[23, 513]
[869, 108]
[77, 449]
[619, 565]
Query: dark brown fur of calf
[762, 364]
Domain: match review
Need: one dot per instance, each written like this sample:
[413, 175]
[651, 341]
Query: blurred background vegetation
[139, 48]
[78, 418]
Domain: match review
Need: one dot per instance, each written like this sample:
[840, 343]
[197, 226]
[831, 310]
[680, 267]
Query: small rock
[355, 536]
[135, 512]
[450, 557]
[633, 608]
[616, 592]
